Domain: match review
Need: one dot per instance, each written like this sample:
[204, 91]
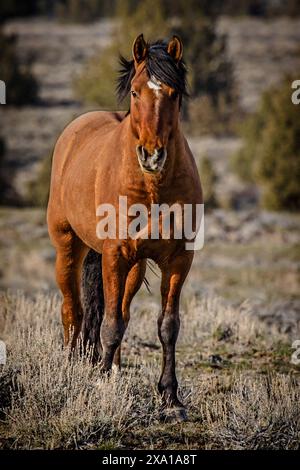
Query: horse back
[87, 124]
[93, 126]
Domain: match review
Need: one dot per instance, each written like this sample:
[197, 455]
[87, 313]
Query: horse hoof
[113, 371]
[174, 415]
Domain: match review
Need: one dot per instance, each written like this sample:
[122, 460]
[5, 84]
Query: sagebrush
[51, 401]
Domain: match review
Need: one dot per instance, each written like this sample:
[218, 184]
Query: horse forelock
[158, 64]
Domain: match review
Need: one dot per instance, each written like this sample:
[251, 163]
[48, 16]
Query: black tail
[92, 302]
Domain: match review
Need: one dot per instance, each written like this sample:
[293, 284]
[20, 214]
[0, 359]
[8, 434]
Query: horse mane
[159, 64]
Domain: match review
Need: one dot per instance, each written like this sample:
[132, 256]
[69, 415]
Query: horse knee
[168, 328]
[112, 331]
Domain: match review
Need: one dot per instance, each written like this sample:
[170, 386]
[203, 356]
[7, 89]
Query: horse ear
[175, 48]
[139, 49]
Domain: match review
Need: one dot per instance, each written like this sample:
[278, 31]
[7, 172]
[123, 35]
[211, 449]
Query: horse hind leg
[70, 252]
[93, 303]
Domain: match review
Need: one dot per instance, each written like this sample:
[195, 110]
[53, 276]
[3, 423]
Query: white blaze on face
[154, 85]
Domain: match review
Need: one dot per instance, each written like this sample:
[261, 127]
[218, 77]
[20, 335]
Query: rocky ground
[57, 53]
[262, 52]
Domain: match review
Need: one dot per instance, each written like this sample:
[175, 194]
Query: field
[239, 318]
[240, 307]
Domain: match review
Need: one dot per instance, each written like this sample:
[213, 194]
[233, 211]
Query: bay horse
[143, 155]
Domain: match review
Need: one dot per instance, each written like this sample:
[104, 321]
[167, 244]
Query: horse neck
[157, 186]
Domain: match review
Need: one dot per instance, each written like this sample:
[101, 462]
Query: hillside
[262, 52]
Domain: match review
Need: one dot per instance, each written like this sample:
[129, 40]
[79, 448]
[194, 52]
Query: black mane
[158, 64]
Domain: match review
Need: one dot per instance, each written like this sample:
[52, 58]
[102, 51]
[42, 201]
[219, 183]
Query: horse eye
[134, 93]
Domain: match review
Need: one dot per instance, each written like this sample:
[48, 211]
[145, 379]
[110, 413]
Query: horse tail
[92, 302]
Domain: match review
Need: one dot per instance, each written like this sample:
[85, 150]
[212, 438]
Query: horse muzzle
[151, 163]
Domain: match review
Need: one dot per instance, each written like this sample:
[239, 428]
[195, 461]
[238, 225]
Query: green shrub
[210, 71]
[96, 83]
[206, 118]
[8, 194]
[21, 86]
[208, 180]
[38, 189]
[213, 103]
[83, 11]
[242, 162]
[271, 152]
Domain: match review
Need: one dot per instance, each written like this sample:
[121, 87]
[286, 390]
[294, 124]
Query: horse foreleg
[115, 271]
[133, 283]
[173, 276]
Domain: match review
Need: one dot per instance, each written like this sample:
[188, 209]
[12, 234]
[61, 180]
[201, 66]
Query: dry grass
[229, 365]
[261, 412]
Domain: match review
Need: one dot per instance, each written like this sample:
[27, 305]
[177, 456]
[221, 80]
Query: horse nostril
[160, 153]
[142, 153]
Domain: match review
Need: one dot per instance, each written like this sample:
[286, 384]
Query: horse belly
[157, 250]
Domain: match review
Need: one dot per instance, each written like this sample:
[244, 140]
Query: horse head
[155, 78]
